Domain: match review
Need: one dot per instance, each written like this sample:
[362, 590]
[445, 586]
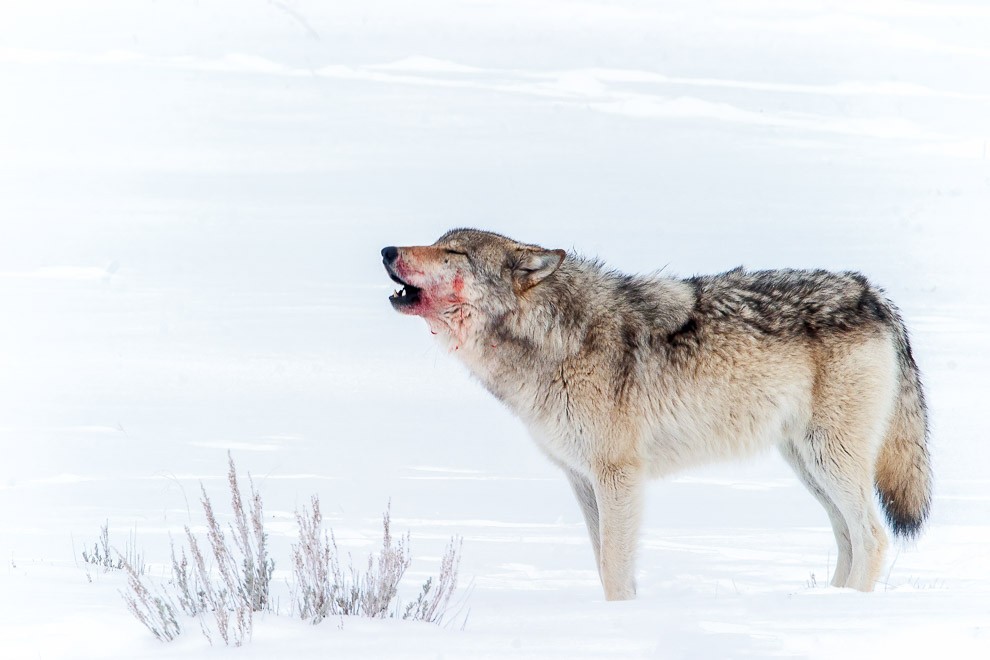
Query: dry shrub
[222, 587]
[325, 588]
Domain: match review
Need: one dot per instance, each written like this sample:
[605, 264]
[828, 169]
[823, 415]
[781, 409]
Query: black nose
[389, 254]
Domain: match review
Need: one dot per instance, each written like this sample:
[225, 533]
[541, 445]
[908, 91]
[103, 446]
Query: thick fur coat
[622, 378]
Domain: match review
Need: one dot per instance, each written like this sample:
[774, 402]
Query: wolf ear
[533, 266]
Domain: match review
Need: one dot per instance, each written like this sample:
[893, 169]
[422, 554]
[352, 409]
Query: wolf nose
[389, 254]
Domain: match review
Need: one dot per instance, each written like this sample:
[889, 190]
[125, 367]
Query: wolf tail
[903, 475]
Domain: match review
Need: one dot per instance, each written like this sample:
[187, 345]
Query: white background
[192, 200]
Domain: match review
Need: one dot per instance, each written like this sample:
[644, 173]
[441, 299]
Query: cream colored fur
[622, 379]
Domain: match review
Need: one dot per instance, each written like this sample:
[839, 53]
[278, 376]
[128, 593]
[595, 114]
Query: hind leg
[844, 469]
[839, 528]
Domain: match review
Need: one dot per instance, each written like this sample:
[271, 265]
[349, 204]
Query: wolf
[622, 378]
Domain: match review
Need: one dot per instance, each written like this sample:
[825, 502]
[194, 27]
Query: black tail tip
[903, 522]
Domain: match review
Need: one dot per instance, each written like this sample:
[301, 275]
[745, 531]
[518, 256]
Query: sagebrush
[225, 586]
[325, 588]
[109, 558]
[224, 595]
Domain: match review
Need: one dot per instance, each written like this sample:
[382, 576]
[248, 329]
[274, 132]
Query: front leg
[585, 493]
[619, 496]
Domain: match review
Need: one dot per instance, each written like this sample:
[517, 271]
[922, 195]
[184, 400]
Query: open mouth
[407, 295]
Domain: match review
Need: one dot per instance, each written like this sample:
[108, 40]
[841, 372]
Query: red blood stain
[458, 287]
[404, 269]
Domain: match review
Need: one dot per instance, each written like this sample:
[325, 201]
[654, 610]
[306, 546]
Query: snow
[192, 200]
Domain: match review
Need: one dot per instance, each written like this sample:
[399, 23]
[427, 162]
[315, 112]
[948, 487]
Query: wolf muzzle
[406, 296]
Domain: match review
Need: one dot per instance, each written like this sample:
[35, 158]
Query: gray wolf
[621, 378]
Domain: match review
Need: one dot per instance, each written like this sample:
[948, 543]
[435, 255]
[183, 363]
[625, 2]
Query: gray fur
[620, 378]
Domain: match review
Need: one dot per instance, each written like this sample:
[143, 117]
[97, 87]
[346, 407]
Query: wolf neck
[577, 313]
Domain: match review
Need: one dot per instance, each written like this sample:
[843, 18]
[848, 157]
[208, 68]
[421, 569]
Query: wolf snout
[389, 254]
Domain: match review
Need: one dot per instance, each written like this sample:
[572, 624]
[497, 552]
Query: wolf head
[466, 278]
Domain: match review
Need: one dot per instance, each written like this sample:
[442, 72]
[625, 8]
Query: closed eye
[449, 251]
